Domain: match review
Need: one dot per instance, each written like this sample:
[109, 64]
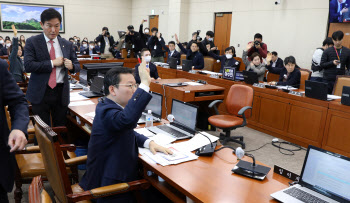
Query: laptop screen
[328, 173]
[155, 104]
[185, 114]
[83, 77]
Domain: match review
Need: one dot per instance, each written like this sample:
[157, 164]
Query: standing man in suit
[12, 96]
[153, 72]
[106, 40]
[338, 9]
[171, 51]
[48, 58]
[155, 46]
[113, 146]
[192, 54]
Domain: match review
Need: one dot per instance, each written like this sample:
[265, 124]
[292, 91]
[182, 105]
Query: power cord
[165, 104]
[290, 151]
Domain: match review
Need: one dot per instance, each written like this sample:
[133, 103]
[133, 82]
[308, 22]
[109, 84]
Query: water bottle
[149, 119]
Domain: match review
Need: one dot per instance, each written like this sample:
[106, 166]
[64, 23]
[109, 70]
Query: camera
[198, 37]
[106, 33]
[277, 2]
[256, 43]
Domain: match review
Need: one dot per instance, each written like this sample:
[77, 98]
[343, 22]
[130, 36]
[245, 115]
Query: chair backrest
[305, 74]
[238, 97]
[52, 156]
[37, 193]
[8, 117]
[242, 65]
[209, 63]
[272, 77]
[183, 57]
[342, 80]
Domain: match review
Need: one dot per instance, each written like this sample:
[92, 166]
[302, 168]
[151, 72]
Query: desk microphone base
[246, 169]
[206, 150]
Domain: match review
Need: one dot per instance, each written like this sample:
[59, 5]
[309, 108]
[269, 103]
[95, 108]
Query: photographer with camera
[155, 45]
[209, 39]
[133, 39]
[258, 46]
[106, 41]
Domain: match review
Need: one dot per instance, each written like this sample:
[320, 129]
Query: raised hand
[14, 30]
[176, 38]
[249, 45]
[144, 74]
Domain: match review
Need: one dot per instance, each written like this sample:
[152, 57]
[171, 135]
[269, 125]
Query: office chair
[239, 99]
[342, 80]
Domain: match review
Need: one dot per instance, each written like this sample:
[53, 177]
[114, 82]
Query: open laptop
[82, 79]
[345, 96]
[96, 88]
[156, 106]
[324, 178]
[184, 125]
[250, 77]
[172, 63]
[187, 65]
[316, 90]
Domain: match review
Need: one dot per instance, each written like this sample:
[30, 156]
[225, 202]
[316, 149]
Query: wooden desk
[185, 93]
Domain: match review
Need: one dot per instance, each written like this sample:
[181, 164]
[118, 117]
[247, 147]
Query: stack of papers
[287, 87]
[193, 83]
[331, 97]
[165, 160]
[194, 143]
[81, 103]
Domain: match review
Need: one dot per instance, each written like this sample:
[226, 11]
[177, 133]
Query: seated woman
[290, 75]
[255, 63]
[16, 63]
[227, 60]
[192, 54]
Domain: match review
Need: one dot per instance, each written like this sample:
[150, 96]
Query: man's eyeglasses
[131, 86]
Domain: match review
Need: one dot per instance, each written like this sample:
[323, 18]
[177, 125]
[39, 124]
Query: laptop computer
[82, 78]
[184, 125]
[316, 90]
[96, 88]
[250, 77]
[186, 65]
[345, 96]
[324, 178]
[172, 63]
[156, 106]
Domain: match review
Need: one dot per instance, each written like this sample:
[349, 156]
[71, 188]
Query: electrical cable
[290, 151]
[165, 104]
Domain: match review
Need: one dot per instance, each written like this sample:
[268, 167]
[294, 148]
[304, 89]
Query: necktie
[52, 80]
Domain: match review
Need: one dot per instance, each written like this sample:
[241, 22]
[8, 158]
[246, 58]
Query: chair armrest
[241, 113]
[109, 190]
[213, 104]
[60, 129]
[68, 147]
[75, 161]
[29, 150]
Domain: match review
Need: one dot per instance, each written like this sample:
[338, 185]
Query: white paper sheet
[193, 83]
[144, 132]
[91, 114]
[162, 139]
[77, 98]
[331, 97]
[194, 143]
[81, 103]
[287, 87]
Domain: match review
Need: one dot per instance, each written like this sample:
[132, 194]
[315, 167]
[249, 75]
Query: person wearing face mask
[97, 46]
[192, 54]
[16, 63]
[84, 49]
[290, 75]
[146, 56]
[75, 47]
[2, 42]
[209, 39]
[172, 51]
[5, 48]
[144, 35]
[92, 49]
[227, 60]
[254, 64]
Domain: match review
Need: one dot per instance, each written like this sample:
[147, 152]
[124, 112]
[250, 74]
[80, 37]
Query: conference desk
[208, 179]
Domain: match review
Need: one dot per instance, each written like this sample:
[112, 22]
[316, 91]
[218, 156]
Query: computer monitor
[155, 104]
[83, 77]
[250, 77]
[316, 90]
[172, 62]
[185, 114]
[186, 65]
[345, 96]
[99, 69]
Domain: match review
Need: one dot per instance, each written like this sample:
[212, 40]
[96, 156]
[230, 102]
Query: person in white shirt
[317, 71]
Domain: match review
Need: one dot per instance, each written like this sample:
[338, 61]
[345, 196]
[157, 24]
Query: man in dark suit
[11, 96]
[171, 51]
[209, 40]
[274, 64]
[155, 46]
[146, 56]
[192, 54]
[48, 58]
[338, 10]
[107, 41]
[134, 41]
[227, 60]
[290, 75]
[113, 145]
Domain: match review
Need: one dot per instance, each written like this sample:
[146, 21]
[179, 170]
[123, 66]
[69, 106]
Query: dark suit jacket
[230, 62]
[278, 68]
[101, 39]
[292, 80]
[3, 51]
[10, 95]
[113, 146]
[176, 54]
[37, 62]
[154, 41]
[197, 61]
[153, 72]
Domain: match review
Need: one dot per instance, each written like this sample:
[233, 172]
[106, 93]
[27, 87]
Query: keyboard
[90, 94]
[177, 134]
[303, 196]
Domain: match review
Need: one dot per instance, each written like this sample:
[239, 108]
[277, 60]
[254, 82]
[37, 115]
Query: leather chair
[342, 80]
[55, 166]
[272, 77]
[209, 63]
[242, 65]
[37, 193]
[305, 74]
[183, 57]
[239, 99]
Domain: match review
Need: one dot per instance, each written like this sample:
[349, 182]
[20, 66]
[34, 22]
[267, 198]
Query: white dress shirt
[58, 53]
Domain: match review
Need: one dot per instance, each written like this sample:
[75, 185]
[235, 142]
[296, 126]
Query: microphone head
[239, 153]
[171, 118]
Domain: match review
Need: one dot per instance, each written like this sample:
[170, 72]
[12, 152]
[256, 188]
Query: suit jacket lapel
[62, 47]
[43, 45]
